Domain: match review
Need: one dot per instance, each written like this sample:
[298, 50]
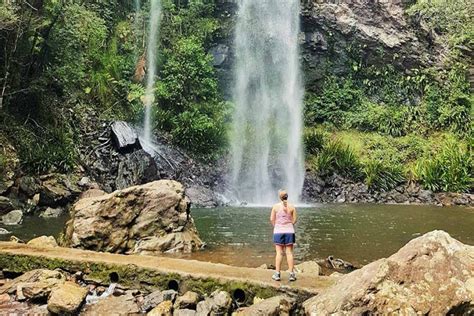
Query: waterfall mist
[267, 152]
[152, 42]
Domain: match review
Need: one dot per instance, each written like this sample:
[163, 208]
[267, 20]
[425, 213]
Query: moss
[132, 276]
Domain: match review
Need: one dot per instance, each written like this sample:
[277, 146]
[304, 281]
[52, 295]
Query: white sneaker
[292, 276]
[276, 276]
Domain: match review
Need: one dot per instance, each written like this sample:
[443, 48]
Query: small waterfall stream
[267, 152]
[152, 43]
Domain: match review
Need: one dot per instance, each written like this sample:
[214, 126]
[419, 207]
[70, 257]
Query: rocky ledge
[431, 275]
[147, 219]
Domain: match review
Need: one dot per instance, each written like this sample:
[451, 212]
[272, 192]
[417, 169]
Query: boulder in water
[14, 217]
[147, 219]
[52, 212]
[124, 136]
[432, 274]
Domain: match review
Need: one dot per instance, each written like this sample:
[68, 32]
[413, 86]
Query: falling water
[266, 139]
[153, 33]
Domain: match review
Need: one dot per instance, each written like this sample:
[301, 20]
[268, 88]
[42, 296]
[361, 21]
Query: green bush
[449, 168]
[382, 176]
[329, 105]
[314, 140]
[199, 133]
[335, 157]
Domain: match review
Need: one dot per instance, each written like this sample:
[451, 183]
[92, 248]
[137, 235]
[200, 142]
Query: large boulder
[189, 300]
[432, 274]
[57, 190]
[147, 219]
[66, 298]
[113, 305]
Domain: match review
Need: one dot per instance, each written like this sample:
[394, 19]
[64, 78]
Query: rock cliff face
[432, 274]
[332, 30]
[147, 219]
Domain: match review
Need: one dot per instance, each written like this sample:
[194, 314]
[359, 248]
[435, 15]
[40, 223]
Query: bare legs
[279, 256]
[289, 257]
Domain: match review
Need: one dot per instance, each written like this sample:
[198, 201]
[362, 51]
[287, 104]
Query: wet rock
[308, 267]
[66, 298]
[136, 168]
[35, 284]
[431, 274]
[201, 196]
[155, 298]
[275, 306]
[141, 219]
[188, 301]
[124, 304]
[124, 136]
[52, 212]
[5, 205]
[219, 303]
[163, 309]
[29, 185]
[3, 231]
[184, 312]
[219, 53]
[43, 241]
[56, 190]
[14, 217]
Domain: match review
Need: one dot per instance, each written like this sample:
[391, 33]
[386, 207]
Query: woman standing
[283, 218]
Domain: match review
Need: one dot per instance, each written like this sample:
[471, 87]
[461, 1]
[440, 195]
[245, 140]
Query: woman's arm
[294, 215]
[272, 216]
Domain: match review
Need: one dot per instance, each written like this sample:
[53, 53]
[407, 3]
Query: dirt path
[192, 268]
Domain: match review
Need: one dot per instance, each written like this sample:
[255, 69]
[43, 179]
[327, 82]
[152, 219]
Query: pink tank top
[283, 221]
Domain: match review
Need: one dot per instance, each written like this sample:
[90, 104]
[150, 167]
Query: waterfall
[152, 42]
[266, 140]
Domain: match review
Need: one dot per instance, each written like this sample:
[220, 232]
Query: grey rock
[184, 312]
[3, 231]
[14, 217]
[52, 212]
[136, 168]
[29, 185]
[5, 205]
[189, 300]
[219, 53]
[124, 136]
[274, 306]
[157, 297]
[219, 303]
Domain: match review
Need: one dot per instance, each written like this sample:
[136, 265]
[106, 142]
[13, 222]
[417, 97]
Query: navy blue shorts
[284, 239]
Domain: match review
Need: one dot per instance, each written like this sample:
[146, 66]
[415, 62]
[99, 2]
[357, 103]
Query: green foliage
[76, 43]
[452, 19]
[314, 140]
[336, 97]
[336, 157]
[447, 168]
[382, 176]
[45, 151]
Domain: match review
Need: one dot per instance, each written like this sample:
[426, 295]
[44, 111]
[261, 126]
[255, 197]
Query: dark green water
[356, 233]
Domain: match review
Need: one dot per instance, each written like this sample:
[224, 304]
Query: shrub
[339, 158]
[449, 168]
[314, 140]
[380, 175]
